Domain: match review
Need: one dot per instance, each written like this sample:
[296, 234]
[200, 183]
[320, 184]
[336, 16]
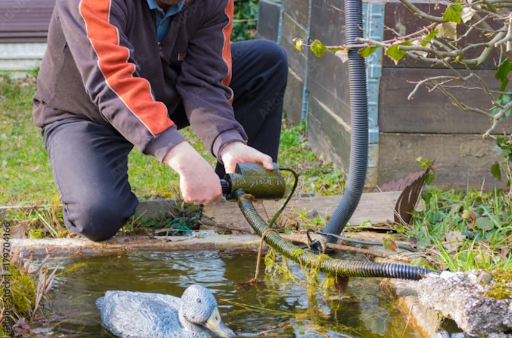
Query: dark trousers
[90, 161]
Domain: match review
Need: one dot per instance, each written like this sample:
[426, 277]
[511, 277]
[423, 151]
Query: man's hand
[199, 184]
[239, 152]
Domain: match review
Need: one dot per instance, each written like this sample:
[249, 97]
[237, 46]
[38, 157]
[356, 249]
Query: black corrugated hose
[359, 123]
[324, 263]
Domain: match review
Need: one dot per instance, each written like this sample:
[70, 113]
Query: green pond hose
[323, 263]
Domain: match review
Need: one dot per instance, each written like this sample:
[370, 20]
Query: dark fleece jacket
[104, 64]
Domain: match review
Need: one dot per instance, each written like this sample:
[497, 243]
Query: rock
[485, 277]
[460, 335]
[443, 334]
[500, 335]
[456, 296]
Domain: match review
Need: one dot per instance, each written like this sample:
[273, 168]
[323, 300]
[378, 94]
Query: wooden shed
[401, 130]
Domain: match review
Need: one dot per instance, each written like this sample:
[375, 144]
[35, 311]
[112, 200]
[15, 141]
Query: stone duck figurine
[150, 315]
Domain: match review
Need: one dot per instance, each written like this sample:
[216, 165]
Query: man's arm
[94, 34]
[206, 75]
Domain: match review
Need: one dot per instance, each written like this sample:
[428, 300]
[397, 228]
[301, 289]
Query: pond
[274, 309]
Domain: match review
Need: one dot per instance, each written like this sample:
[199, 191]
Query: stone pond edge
[425, 321]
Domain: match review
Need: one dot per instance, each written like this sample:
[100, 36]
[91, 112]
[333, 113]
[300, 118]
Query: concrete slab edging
[84, 247]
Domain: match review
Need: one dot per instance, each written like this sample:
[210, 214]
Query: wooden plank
[328, 75]
[268, 19]
[328, 135]
[374, 207]
[432, 112]
[328, 22]
[398, 17]
[328, 82]
[291, 31]
[293, 98]
[298, 10]
[463, 159]
[117, 245]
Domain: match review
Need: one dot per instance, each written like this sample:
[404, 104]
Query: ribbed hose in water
[359, 123]
[324, 263]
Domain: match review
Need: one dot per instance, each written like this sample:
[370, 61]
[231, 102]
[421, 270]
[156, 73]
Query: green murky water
[280, 309]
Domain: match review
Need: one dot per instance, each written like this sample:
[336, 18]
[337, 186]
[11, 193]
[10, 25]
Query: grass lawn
[26, 176]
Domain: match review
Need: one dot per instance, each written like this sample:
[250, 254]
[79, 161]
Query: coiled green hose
[324, 263]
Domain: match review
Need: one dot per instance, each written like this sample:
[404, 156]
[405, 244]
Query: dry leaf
[342, 54]
[447, 30]
[467, 14]
[389, 244]
[19, 231]
[417, 43]
[453, 240]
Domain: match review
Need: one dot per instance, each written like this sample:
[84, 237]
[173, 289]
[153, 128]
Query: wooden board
[398, 17]
[298, 11]
[293, 98]
[327, 135]
[268, 20]
[328, 75]
[328, 82]
[291, 31]
[462, 159]
[327, 22]
[432, 112]
[374, 207]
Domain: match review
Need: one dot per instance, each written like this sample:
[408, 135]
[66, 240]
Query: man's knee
[100, 219]
[274, 55]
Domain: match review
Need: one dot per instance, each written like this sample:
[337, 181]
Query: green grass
[26, 175]
[464, 230]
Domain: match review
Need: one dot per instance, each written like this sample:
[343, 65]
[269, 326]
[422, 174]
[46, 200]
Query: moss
[23, 288]
[502, 284]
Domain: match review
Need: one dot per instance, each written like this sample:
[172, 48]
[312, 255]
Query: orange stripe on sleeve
[226, 51]
[113, 58]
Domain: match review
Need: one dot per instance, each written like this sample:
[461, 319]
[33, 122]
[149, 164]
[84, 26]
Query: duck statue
[150, 315]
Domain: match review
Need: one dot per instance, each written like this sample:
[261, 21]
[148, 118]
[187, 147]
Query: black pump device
[253, 179]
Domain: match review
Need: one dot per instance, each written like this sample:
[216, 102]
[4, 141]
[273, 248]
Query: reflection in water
[275, 309]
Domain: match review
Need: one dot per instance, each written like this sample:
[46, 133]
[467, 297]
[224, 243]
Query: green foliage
[453, 13]
[502, 74]
[503, 100]
[316, 176]
[496, 171]
[298, 44]
[427, 164]
[430, 36]
[395, 53]
[465, 230]
[244, 20]
[318, 48]
[505, 144]
[367, 51]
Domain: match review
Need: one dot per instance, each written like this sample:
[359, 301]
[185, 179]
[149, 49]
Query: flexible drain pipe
[338, 267]
[359, 122]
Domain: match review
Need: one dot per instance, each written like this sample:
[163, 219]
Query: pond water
[274, 309]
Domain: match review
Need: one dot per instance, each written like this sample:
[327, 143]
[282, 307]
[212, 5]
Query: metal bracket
[373, 26]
